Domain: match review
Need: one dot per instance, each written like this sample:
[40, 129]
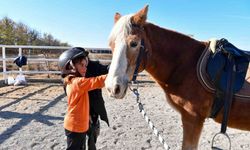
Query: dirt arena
[31, 117]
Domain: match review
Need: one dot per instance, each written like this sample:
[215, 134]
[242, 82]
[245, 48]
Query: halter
[138, 60]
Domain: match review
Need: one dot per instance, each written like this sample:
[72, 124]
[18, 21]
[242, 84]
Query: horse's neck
[170, 52]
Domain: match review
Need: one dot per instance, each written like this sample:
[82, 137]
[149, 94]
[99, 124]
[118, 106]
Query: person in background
[97, 106]
[73, 65]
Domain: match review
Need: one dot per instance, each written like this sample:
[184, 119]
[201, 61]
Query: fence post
[4, 65]
[20, 54]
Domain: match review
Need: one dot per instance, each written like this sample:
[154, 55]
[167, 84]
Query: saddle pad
[207, 83]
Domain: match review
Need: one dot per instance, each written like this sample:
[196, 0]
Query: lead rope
[150, 123]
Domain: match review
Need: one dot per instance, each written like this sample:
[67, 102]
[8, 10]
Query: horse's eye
[133, 44]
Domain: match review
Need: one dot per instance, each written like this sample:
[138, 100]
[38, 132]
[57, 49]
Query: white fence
[20, 49]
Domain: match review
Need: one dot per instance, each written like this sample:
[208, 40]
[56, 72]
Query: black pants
[92, 133]
[75, 141]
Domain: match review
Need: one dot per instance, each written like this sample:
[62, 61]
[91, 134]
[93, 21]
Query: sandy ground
[31, 117]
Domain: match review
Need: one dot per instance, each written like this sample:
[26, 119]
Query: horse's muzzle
[117, 89]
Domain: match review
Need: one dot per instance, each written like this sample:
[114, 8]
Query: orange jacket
[77, 116]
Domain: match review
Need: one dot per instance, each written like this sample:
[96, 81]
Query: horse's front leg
[192, 127]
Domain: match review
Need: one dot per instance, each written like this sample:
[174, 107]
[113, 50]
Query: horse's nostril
[109, 90]
[117, 89]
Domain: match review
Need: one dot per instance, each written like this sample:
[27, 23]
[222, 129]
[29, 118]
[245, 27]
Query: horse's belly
[239, 116]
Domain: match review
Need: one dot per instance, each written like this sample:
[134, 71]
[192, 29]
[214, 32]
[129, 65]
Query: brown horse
[171, 59]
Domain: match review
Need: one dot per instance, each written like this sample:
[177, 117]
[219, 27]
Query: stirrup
[217, 148]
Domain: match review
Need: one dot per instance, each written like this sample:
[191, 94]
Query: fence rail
[20, 48]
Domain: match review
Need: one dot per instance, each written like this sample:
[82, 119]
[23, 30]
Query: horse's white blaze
[117, 71]
[117, 76]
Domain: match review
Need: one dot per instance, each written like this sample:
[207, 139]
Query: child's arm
[88, 84]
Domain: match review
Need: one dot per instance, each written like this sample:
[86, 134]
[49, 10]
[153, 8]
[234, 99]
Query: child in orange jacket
[73, 64]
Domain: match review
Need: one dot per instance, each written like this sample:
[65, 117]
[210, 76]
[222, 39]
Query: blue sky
[87, 23]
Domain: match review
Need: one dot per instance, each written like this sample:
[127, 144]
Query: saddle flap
[216, 63]
[218, 66]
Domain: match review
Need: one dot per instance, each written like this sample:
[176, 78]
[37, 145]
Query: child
[73, 64]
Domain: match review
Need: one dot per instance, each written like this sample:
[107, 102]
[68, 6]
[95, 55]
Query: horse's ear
[140, 17]
[117, 17]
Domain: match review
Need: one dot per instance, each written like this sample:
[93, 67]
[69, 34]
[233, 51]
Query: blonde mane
[121, 29]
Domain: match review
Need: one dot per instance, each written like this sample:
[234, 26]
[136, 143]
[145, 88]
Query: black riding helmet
[70, 55]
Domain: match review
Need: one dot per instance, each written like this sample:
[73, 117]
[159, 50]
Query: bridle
[138, 60]
[142, 53]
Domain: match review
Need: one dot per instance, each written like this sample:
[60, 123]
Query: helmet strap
[73, 69]
[72, 65]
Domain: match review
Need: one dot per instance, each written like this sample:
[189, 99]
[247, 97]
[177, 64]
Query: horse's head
[126, 39]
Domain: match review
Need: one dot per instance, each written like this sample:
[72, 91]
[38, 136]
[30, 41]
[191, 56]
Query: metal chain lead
[150, 123]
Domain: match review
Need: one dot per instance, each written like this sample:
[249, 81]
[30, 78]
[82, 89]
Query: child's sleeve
[88, 84]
